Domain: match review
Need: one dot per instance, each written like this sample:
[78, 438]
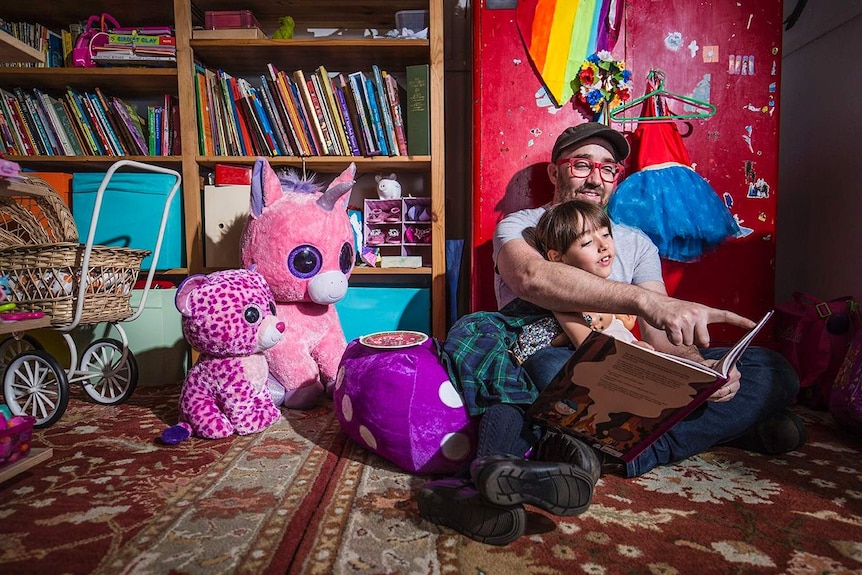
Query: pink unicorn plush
[301, 241]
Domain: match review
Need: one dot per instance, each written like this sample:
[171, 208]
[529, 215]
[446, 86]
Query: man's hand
[727, 391]
[686, 322]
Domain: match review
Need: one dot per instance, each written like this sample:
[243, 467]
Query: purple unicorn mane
[292, 181]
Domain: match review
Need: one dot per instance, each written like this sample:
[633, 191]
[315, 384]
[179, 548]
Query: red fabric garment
[656, 142]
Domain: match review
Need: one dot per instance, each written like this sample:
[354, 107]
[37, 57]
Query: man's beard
[569, 192]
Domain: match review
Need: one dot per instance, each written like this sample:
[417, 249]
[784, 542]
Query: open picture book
[620, 397]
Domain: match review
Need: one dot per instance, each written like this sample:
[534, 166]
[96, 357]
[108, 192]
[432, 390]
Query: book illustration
[620, 397]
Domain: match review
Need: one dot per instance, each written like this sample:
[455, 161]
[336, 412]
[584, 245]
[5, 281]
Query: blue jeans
[768, 385]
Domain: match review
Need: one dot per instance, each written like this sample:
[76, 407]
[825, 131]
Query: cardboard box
[61, 182]
[225, 212]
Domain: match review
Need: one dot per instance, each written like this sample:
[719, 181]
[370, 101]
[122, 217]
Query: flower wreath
[602, 82]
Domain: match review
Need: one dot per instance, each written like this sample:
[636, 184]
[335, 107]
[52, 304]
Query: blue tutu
[676, 208]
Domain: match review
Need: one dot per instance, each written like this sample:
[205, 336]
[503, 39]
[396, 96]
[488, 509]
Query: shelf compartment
[249, 57]
[88, 163]
[364, 164]
[121, 82]
[14, 50]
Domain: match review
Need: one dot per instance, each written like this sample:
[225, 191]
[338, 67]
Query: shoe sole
[558, 488]
[473, 517]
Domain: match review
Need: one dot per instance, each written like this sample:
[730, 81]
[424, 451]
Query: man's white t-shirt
[637, 260]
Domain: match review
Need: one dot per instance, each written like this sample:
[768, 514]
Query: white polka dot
[367, 436]
[339, 378]
[449, 396]
[346, 408]
[455, 446]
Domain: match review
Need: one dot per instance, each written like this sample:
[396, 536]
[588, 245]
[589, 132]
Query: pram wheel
[12, 346]
[35, 384]
[106, 377]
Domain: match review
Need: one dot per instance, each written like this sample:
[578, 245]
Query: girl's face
[592, 252]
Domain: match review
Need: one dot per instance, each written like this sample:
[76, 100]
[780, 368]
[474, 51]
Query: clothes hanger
[656, 78]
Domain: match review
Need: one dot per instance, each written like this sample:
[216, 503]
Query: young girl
[576, 233]
[484, 353]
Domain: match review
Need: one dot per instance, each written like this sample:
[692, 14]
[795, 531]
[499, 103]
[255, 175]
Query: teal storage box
[367, 310]
[155, 338]
[131, 214]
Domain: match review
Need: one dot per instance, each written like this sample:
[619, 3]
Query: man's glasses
[582, 168]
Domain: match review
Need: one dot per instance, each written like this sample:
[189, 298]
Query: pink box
[218, 19]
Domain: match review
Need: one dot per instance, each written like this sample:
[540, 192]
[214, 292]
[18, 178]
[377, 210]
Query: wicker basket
[41, 258]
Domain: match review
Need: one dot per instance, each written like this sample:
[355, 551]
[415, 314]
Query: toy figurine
[301, 241]
[229, 317]
[388, 187]
[285, 31]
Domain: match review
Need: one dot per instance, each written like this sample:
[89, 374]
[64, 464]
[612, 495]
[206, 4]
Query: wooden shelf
[364, 164]
[239, 57]
[36, 456]
[121, 82]
[13, 50]
[349, 51]
[90, 163]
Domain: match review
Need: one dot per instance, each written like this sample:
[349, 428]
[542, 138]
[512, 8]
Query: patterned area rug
[301, 498]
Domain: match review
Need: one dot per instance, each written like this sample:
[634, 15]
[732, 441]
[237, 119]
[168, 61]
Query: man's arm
[559, 287]
[659, 340]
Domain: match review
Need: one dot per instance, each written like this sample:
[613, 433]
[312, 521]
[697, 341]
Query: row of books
[301, 113]
[39, 37]
[33, 123]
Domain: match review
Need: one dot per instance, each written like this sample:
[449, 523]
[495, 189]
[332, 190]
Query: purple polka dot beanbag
[400, 404]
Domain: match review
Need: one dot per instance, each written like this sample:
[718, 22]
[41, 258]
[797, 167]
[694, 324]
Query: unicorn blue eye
[304, 261]
[345, 258]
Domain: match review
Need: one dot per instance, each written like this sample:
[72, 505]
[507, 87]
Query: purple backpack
[845, 401]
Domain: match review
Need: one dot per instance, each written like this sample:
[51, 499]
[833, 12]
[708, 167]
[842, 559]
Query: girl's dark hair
[561, 225]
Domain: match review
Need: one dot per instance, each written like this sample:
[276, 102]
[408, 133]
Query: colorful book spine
[22, 146]
[357, 92]
[347, 119]
[310, 113]
[80, 115]
[323, 116]
[334, 110]
[31, 120]
[385, 113]
[418, 111]
[297, 112]
[272, 106]
[266, 121]
[392, 89]
[376, 122]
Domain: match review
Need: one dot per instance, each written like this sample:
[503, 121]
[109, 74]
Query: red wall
[515, 132]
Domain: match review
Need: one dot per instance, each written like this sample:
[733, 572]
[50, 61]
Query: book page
[620, 397]
[729, 359]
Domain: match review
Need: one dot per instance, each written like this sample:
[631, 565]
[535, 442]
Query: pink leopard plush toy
[301, 241]
[229, 317]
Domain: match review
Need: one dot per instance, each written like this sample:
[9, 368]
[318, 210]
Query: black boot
[559, 488]
[778, 433]
[455, 503]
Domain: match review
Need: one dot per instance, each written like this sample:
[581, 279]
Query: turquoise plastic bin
[131, 213]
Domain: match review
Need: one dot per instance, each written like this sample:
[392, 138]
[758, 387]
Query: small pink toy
[229, 316]
[301, 241]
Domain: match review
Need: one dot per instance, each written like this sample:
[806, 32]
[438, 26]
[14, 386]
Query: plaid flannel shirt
[476, 355]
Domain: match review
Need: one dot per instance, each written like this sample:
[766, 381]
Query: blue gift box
[367, 310]
[131, 214]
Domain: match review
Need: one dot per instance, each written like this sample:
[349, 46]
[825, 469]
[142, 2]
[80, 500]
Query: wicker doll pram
[44, 268]
[41, 260]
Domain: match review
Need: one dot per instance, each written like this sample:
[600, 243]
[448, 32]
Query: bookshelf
[248, 58]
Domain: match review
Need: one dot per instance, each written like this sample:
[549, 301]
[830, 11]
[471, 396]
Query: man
[748, 411]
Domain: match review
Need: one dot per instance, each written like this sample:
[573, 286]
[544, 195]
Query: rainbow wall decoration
[560, 34]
